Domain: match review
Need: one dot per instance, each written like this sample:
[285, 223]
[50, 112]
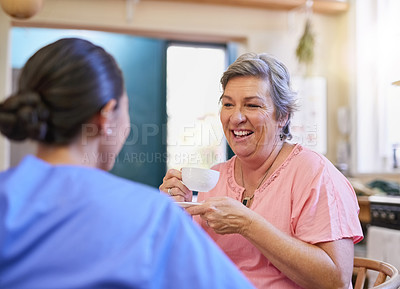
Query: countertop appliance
[385, 211]
[383, 240]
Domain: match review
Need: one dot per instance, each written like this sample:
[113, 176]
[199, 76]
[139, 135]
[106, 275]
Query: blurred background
[173, 52]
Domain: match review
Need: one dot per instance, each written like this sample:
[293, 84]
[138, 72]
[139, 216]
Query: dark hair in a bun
[24, 116]
[62, 86]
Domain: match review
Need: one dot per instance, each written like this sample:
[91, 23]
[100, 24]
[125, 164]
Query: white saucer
[187, 204]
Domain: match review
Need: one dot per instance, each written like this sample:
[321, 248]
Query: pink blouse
[306, 197]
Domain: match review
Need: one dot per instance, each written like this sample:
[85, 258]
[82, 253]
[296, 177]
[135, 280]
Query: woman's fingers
[176, 188]
[176, 192]
[178, 199]
[170, 180]
[173, 173]
[224, 215]
[173, 186]
[197, 210]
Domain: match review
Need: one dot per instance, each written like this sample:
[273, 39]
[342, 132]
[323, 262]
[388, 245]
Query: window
[378, 100]
[194, 132]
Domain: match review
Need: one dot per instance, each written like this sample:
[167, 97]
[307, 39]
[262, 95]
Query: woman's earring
[281, 136]
[103, 113]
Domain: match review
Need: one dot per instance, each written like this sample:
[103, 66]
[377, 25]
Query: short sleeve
[325, 208]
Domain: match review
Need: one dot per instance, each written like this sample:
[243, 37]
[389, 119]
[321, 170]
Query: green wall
[142, 61]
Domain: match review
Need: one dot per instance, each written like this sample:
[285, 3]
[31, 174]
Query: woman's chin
[242, 153]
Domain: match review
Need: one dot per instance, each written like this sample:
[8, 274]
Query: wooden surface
[385, 269]
[319, 6]
[365, 210]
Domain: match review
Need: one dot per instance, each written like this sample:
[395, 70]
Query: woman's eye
[253, 105]
[227, 104]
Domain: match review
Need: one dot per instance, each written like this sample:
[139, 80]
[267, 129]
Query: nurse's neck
[71, 154]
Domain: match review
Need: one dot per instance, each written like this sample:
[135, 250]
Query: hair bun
[23, 116]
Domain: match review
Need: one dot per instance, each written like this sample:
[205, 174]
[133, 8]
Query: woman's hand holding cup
[173, 186]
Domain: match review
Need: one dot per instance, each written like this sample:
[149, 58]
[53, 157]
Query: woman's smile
[241, 134]
[248, 116]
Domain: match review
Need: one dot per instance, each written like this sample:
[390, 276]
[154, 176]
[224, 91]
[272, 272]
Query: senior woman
[283, 213]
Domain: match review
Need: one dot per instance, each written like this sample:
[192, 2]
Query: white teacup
[199, 179]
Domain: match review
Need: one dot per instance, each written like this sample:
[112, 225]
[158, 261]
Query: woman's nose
[238, 116]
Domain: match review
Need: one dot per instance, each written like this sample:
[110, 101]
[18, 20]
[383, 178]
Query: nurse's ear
[106, 116]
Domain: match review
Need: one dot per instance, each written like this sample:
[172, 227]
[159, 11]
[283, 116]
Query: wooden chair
[384, 270]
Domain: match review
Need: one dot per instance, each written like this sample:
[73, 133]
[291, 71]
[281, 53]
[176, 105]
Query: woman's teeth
[241, 133]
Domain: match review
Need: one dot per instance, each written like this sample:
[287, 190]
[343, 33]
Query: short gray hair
[267, 67]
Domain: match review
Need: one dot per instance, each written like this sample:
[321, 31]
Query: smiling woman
[243, 116]
[283, 213]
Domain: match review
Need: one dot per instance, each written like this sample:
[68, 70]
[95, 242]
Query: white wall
[5, 79]
[258, 30]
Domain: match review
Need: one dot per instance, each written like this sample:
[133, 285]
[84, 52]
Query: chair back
[388, 276]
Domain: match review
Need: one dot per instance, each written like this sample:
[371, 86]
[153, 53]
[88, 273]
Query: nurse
[65, 222]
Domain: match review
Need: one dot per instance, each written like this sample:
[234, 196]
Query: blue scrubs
[67, 227]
